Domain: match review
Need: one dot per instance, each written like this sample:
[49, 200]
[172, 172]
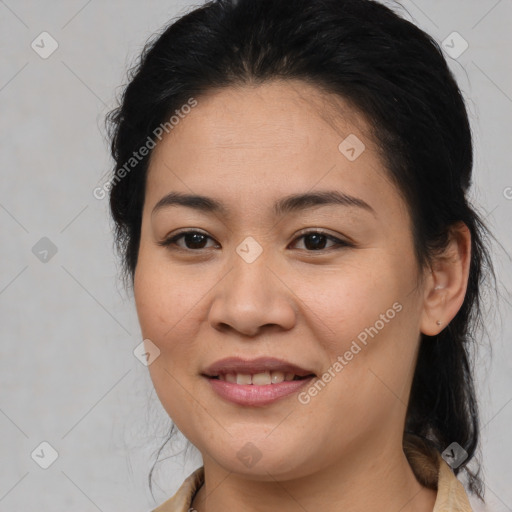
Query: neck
[371, 478]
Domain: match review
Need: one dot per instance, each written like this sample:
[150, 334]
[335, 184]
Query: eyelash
[170, 241]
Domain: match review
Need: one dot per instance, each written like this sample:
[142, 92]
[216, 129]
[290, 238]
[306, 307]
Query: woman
[290, 199]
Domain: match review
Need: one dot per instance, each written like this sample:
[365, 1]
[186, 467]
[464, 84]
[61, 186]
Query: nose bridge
[251, 275]
[251, 296]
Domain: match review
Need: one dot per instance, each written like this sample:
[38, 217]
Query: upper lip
[253, 366]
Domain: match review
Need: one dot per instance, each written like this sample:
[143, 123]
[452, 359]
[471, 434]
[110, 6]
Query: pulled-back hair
[395, 75]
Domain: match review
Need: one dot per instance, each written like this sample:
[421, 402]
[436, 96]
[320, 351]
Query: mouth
[260, 371]
[260, 379]
[256, 382]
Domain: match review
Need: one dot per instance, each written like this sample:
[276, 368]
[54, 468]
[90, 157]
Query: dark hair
[396, 76]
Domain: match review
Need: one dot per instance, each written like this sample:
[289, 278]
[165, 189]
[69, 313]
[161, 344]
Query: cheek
[164, 297]
[345, 300]
[366, 314]
[167, 316]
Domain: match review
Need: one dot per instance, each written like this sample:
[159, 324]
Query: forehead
[268, 140]
[278, 115]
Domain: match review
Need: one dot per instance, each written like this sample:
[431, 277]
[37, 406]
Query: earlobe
[446, 285]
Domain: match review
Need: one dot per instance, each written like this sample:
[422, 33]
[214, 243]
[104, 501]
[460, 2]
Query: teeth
[261, 379]
[277, 377]
[258, 379]
[242, 378]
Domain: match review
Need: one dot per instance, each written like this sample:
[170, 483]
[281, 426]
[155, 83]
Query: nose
[252, 298]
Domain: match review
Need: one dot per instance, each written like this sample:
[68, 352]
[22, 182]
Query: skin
[248, 147]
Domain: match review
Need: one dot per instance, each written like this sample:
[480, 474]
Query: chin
[263, 460]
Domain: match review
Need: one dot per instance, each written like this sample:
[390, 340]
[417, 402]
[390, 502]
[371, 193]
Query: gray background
[68, 375]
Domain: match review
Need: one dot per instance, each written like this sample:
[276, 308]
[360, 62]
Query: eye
[194, 240]
[316, 240]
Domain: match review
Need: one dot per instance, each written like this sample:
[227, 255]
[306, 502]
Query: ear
[446, 284]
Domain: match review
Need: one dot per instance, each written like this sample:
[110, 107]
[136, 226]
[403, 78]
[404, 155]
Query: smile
[242, 389]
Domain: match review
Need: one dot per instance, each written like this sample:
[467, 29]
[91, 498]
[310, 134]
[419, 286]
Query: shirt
[430, 469]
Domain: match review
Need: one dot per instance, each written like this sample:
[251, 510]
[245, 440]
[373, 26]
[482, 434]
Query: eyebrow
[289, 204]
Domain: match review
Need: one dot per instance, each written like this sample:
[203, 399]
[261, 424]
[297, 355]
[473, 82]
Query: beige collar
[433, 472]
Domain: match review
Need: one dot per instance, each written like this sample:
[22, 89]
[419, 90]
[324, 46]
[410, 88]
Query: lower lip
[249, 394]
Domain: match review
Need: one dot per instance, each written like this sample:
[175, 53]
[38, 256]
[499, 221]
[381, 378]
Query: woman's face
[326, 287]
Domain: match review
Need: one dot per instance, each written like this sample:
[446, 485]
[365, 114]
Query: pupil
[316, 238]
[194, 239]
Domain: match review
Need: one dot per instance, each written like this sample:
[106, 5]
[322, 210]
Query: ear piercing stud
[438, 322]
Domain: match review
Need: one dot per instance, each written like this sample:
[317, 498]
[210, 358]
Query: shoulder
[451, 495]
[432, 471]
[181, 501]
